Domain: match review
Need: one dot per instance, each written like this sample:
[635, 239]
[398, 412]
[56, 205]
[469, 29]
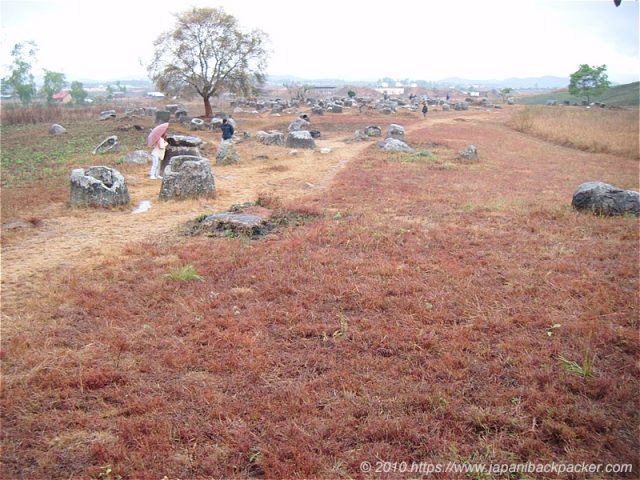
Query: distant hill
[516, 83]
[621, 95]
[545, 82]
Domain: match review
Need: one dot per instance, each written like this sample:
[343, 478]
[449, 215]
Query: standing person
[425, 109]
[227, 130]
[157, 154]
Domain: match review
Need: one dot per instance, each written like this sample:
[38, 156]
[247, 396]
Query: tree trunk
[208, 112]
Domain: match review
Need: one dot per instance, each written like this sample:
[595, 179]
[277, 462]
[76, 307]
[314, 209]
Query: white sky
[345, 39]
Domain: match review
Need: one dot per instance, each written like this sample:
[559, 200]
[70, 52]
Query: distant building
[321, 91]
[155, 94]
[62, 97]
[390, 90]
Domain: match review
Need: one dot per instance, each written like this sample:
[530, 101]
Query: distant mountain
[544, 82]
[282, 79]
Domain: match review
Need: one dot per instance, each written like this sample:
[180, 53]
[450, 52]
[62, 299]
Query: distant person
[448, 97]
[157, 154]
[425, 109]
[227, 130]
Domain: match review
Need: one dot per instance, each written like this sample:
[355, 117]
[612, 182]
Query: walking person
[425, 109]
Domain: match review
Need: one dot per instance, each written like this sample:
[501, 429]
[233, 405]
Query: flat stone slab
[238, 220]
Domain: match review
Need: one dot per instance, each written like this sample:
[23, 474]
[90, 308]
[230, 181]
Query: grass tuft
[584, 370]
[185, 273]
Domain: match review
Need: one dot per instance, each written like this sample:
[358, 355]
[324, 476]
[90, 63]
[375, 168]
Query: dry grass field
[424, 311]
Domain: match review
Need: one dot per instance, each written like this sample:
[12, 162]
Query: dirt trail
[84, 238]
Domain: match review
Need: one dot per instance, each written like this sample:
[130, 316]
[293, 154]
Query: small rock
[469, 154]
[56, 129]
[109, 144]
[137, 157]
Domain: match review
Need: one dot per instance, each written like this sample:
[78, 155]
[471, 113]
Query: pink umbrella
[156, 133]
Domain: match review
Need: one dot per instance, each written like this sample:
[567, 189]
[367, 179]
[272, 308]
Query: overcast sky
[345, 39]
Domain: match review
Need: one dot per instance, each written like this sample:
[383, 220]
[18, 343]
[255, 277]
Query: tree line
[21, 82]
[207, 53]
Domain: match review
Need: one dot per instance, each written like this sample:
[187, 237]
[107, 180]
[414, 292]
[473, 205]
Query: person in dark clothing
[425, 109]
[227, 130]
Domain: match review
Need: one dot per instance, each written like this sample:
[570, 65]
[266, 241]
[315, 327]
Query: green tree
[504, 93]
[206, 52]
[53, 82]
[351, 93]
[21, 82]
[78, 92]
[589, 81]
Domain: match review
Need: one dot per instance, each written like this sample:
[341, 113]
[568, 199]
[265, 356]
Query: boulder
[394, 145]
[461, 106]
[134, 112]
[216, 122]
[162, 116]
[373, 131]
[56, 129]
[605, 199]
[273, 137]
[184, 141]
[172, 151]
[197, 124]
[396, 131]
[109, 144]
[137, 157]
[108, 114]
[360, 135]
[315, 133]
[187, 176]
[180, 114]
[298, 124]
[317, 110]
[300, 139]
[469, 154]
[98, 187]
[227, 154]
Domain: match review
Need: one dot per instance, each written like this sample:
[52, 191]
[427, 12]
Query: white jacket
[159, 149]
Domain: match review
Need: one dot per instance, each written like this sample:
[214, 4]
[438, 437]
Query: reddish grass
[411, 327]
[19, 115]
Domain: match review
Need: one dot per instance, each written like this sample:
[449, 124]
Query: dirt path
[84, 238]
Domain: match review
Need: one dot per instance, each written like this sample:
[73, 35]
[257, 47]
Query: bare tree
[207, 53]
[297, 91]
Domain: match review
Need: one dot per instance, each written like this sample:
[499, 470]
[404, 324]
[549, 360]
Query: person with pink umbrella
[158, 140]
